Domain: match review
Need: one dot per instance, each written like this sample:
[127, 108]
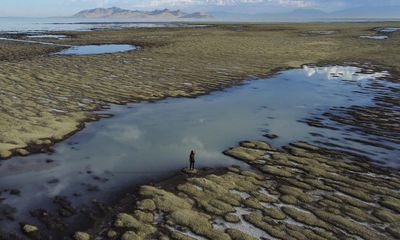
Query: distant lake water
[20, 24]
[43, 24]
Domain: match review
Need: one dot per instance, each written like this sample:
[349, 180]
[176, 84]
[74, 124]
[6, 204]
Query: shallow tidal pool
[97, 49]
[144, 141]
[379, 37]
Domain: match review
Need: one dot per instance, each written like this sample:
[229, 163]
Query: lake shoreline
[230, 79]
[250, 152]
[156, 44]
[33, 148]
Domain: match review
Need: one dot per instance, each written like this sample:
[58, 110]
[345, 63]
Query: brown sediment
[48, 97]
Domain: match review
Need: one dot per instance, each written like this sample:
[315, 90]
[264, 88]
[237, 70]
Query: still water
[375, 37]
[97, 49]
[32, 25]
[388, 29]
[146, 140]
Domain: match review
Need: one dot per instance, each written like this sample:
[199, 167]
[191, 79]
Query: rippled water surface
[147, 140]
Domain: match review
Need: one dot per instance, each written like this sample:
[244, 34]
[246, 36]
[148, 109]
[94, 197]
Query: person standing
[192, 159]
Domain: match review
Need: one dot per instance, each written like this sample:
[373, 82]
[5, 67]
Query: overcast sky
[69, 7]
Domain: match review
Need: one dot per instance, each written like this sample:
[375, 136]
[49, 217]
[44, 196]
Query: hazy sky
[68, 7]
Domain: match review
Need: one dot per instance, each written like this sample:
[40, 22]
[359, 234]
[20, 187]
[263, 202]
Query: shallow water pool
[97, 49]
[322, 32]
[388, 29]
[147, 140]
[379, 37]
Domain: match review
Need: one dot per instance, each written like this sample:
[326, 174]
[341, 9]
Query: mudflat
[45, 98]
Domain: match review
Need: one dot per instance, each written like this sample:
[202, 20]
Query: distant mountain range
[353, 13]
[298, 14]
[115, 12]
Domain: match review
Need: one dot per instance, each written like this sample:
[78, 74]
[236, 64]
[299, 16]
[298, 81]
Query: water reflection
[146, 140]
[343, 73]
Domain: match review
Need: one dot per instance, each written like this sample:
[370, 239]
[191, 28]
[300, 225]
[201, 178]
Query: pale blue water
[96, 49]
[374, 37]
[146, 140]
[32, 25]
[382, 30]
[388, 29]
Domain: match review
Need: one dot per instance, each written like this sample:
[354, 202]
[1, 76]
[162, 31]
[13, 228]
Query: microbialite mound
[299, 192]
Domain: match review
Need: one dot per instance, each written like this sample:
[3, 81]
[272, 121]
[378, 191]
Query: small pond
[97, 49]
[373, 37]
[322, 32]
[144, 141]
[388, 29]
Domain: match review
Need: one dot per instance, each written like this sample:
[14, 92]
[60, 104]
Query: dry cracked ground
[45, 97]
[298, 192]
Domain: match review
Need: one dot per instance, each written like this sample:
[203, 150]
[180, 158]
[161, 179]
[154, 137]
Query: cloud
[123, 134]
[233, 6]
[290, 3]
[294, 3]
[97, 3]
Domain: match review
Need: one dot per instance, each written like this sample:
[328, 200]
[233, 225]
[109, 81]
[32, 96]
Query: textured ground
[44, 98]
[299, 192]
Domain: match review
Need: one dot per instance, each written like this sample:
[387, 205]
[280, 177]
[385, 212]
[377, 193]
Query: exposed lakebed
[147, 140]
[51, 36]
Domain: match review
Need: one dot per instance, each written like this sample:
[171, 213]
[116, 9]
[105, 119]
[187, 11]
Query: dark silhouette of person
[192, 159]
